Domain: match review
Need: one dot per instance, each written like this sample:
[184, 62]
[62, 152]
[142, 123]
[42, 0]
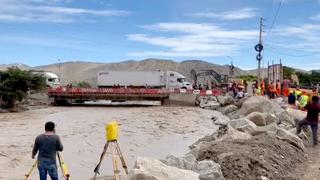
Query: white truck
[52, 80]
[141, 79]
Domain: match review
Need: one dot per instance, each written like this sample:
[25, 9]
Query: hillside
[20, 66]
[87, 71]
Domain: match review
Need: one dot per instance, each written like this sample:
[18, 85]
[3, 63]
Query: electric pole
[59, 70]
[259, 48]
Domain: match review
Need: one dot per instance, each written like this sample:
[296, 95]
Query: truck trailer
[142, 79]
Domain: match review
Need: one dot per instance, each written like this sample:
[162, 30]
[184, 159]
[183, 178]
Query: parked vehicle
[52, 80]
[142, 79]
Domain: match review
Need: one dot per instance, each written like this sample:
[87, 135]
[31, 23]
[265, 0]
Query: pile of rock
[256, 139]
[251, 129]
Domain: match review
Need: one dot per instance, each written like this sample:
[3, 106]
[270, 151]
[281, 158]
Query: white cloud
[237, 14]
[194, 40]
[306, 36]
[48, 41]
[316, 17]
[43, 11]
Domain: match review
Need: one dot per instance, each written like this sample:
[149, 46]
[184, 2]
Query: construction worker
[286, 85]
[303, 100]
[262, 87]
[292, 99]
[258, 91]
[298, 92]
[272, 90]
[47, 144]
[312, 119]
[278, 87]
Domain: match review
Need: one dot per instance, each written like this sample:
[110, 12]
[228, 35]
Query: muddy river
[144, 131]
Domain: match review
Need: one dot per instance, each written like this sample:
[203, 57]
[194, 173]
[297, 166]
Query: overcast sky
[38, 32]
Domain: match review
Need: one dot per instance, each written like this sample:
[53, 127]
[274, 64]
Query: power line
[275, 17]
[274, 50]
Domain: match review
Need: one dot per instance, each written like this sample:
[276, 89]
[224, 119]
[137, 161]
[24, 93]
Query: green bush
[14, 84]
[83, 84]
[248, 78]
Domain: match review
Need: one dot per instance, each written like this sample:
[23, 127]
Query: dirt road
[145, 131]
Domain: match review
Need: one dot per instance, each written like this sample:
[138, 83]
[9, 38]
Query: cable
[274, 50]
[274, 19]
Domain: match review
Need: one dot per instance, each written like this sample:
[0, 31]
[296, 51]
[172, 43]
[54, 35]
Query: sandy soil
[145, 131]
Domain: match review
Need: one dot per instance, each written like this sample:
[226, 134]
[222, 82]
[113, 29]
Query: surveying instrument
[112, 131]
[63, 166]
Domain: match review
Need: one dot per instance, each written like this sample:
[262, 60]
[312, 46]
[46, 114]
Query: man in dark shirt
[47, 144]
[291, 99]
[312, 118]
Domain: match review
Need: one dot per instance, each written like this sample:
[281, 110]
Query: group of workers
[300, 99]
[238, 90]
[272, 90]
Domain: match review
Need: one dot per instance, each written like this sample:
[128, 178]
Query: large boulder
[153, 169]
[290, 138]
[285, 118]
[187, 161]
[209, 170]
[257, 118]
[225, 132]
[270, 118]
[270, 128]
[225, 100]
[230, 108]
[234, 134]
[243, 124]
[258, 104]
[296, 114]
[213, 105]
[305, 135]
[220, 119]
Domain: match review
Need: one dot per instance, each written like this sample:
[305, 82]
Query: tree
[288, 71]
[14, 84]
[248, 78]
[83, 84]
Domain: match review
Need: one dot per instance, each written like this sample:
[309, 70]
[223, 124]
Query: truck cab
[177, 80]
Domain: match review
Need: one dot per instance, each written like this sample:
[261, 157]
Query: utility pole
[59, 70]
[231, 68]
[259, 48]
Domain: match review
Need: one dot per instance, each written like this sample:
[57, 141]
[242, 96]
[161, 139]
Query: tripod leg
[31, 170]
[96, 169]
[115, 162]
[124, 165]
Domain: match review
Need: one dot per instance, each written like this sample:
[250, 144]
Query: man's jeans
[48, 167]
[314, 128]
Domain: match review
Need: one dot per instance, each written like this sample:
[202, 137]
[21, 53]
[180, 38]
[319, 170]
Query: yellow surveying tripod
[112, 130]
[63, 166]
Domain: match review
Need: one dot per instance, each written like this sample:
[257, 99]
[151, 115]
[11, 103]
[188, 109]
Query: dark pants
[48, 167]
[314, 128]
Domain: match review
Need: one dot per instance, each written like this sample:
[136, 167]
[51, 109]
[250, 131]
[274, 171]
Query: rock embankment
[256, 139]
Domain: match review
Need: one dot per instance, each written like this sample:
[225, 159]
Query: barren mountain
[20, 66]
[87, 71]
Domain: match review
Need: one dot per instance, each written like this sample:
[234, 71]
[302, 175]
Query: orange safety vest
[279, 85]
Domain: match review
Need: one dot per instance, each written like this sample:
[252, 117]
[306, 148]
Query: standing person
[272, 90]
[286, 85]
[254, 86]
[292, 99]
[262, 87]
[298, 92]
[303, 100]
[245, 84]
[312, 118]
[47, 144]
[278, 86]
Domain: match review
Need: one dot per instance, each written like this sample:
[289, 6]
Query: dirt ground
[250, 159]
[144, 131]
[310, 169]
